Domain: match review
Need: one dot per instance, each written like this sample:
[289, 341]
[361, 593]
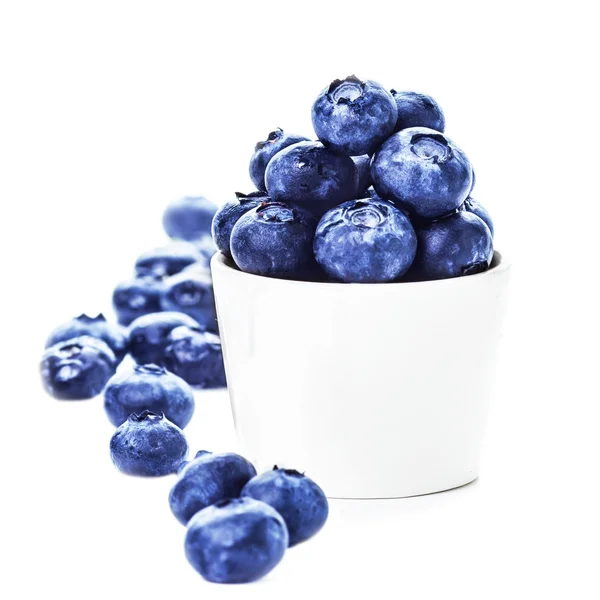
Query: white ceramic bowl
[375, 390]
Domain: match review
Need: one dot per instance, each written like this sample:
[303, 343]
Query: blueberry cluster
[383, 195]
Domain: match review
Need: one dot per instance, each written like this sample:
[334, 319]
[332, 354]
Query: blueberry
[365, 241]
[274, 240]
[236, 541]
[206, 246]
[148, 335]
[265, 150]
[77, 369]
[423, 171]
[206, 480]
[196, 357]
[137, 297]
[477, 208]
[460, 244]
[298, 499]
[190, 292]
[418, 110]
[168, 260]
[227, 216]
[363, 169]
[148, 444]
[353, 116]
[148, 387]
[114, 336]
[189, 218]
[309, 175]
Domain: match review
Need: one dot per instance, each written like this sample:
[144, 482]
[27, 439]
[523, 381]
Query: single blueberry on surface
[460, 244]
[353, 116]
[236, 540]
[363, 169]
[113, 335]
[365, 241]
[189, 218]
[478, 209]
[418, 110]
[274, 240]
[265, 150]
[196, 357]
[423, 172]
[152, 388]
[148, 444]
[229, 214]
[309, 175]
[168, 260]
[78, 368]
[191, 293]
[137, 297]
[148, 335]
[206, 480]
[297, 498]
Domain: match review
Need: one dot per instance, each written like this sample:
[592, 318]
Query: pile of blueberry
[239, 524]
[382, 196]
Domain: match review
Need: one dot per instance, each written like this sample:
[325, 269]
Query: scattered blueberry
[478, 209]
[148, 444]
[423, 171]
[418, 110]
[190, 292]
[298, 499]
[274, 240]
[236, 540]
[353, 116]
[196, 357]
[363, 169]
[137, 297]
[460, 244]
[114, 336]
[227, 216]
[148, 335]
[206, 246]
[148, 387]
[309, 175]
[206, 480]
[189, 218]
[168, 260]
[365, 241]
[77, 369]
[265, 150]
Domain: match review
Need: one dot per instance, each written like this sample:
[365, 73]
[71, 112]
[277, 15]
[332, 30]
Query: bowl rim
[500, 264]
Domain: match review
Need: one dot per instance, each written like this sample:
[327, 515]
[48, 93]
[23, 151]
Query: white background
[111, 109]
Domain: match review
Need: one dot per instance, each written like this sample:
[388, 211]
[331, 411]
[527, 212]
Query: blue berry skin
[418, 110]
[460, 244]
[229, 214]
[191, 293]
[207, 479]
[236, 540]
[189, 218]
[423, 172]
[297, 498]
[354, 117]
[148, 335]
[168, 260]
[207, 249]
[114, 336]
[265, 150]
[147, 444]
[274, 240]
[365, 241]
[148, 387]
[309, 175]
[137, 297]
[77, 369]
[196, 357]
[363, 169]
[477, 208]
